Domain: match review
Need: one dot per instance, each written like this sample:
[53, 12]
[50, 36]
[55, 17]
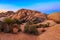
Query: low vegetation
[43, 25]
[10, 26]
[9, 21]
[30, 28]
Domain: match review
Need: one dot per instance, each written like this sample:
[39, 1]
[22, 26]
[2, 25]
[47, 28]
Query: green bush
[9, 21]
[30, 29]
[9, 28]
[8, 25]
[33, 30]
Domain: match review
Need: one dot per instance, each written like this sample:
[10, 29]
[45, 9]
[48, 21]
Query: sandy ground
[19, 36]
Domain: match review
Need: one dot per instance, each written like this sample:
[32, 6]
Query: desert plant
[9, 21]
[2, 24]
[46, 25]
[6, 28]
[43, 25]
[27, 26]
[17, 21]
[33, 30]
[40, 26]
[30, 28]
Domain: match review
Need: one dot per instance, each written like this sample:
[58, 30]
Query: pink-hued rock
[54, 16]
[15, 30]
[51, 22]
[53, 33]
[28, 14]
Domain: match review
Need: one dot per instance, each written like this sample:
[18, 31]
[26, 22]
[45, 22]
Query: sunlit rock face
[51, 22]
[52, 33]
[26, 14]
[55, 17]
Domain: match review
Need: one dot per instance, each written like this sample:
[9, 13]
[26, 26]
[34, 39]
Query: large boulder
[52, 33]
[55, 17]
[51, 22]
[15, 28]
[28, 15]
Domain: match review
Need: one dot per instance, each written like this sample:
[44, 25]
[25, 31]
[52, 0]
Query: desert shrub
[10, 24]
[40, 26]
[9, 21]
[30, 29]
[1, 26]
[13, 28]
[43, 25]
[33, 30]
[6, 28]
[17, 21]
[27, 26]
[46, 25]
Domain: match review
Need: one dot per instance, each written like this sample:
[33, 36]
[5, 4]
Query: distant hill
[3, 11]
[29, 15]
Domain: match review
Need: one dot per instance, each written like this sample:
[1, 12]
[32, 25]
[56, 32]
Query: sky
[45, 6]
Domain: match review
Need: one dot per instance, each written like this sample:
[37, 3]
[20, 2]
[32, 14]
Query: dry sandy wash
[19, 36]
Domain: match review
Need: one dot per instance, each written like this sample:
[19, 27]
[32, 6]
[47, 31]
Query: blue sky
[46, 6]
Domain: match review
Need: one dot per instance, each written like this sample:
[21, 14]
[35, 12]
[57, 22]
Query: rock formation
[28, 15]
[55, 17]
[53, 33]
[51, 22]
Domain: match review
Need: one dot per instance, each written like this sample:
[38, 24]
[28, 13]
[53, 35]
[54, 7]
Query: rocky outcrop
[52, 33]
[51, 22]
[55, 17]
[28, 15]
[7, 14]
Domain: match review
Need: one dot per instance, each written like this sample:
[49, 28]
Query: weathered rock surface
[53, 33]
[28, 15]
[7, 14]
[55, 17]
[51, 22]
